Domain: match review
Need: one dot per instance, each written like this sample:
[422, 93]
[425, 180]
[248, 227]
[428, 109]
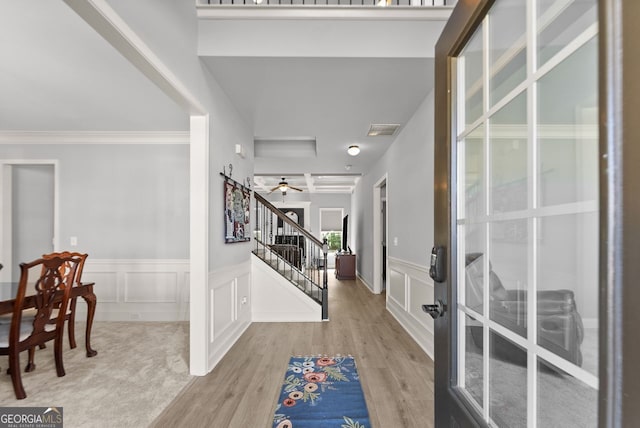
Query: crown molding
[94, 137]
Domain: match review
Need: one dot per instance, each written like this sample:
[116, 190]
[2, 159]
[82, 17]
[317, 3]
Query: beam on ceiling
[106, 22]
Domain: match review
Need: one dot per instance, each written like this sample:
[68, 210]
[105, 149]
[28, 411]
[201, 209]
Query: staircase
[292, 251]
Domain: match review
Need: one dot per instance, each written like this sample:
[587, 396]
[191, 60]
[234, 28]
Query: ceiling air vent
[382, 129]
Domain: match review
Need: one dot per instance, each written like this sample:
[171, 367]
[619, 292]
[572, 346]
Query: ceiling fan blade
[275, 188]
[295, 188]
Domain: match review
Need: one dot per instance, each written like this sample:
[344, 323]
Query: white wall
[407, 38]
[122, 201]
[128, 206]
[275, 300]
[170, 30]
[408, 164]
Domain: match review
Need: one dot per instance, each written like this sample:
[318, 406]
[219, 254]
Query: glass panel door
[526, 231]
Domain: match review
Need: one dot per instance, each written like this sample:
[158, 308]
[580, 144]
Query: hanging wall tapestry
[237, 200]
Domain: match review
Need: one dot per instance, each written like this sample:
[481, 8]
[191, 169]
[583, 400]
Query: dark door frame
[450, 409]
[619, 68]
[619, 158]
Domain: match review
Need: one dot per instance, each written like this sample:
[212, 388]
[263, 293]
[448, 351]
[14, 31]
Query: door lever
[437, 310]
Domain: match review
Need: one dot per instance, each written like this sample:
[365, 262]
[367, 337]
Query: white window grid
[533, 212]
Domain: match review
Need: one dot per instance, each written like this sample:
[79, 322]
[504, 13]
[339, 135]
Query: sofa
[560, 328]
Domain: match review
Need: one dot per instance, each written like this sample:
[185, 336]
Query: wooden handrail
[297, 263]
[290, 222]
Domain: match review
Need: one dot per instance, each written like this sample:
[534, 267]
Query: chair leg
[16, 379]
[72, 324]
[31, 366]
[57, 351]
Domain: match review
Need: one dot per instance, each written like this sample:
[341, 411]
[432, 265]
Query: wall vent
[382, 129]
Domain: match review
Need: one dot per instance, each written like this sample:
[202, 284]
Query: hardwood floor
[396, 375]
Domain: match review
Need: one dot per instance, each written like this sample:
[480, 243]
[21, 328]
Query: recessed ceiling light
[353, 150]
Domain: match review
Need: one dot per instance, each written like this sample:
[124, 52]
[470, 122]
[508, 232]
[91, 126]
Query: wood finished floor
[396, 375]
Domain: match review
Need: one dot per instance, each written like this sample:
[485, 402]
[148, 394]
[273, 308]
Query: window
[331, 227]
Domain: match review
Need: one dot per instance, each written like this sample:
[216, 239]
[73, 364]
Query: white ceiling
[57, 74]
[333, 100]
[312, 183]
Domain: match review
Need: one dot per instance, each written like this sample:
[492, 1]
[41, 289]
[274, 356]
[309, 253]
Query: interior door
[518, 210]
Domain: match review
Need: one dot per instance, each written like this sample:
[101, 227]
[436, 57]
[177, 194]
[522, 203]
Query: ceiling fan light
[284, 188]
[353, 150]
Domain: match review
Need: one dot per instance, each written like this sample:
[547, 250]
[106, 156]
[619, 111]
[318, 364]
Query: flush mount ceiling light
[382, 129]
[353, 150]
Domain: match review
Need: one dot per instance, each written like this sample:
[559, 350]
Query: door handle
[437, 310]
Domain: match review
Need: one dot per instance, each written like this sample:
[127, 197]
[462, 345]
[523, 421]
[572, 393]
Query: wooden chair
[52, 289]
[71, 311]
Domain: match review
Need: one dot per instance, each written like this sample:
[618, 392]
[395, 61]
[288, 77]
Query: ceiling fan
[284, 186]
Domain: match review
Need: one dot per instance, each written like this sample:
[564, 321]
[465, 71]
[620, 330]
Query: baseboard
[369, 286]
[422, 336]
[223, 346]
[408, 288]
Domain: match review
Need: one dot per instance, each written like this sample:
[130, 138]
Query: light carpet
[563, 401]
[139, 369]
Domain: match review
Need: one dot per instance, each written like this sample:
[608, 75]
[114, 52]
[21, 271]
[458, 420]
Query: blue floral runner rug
[322, 392]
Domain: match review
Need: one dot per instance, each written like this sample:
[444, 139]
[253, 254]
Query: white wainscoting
[229, 294]
[408, 288]
[145, 290]
[158, 290]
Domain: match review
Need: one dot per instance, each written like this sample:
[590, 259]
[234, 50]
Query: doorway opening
[380, 227]
[28, 211]
[331, 229]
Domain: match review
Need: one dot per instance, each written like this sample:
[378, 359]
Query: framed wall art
[237, 202]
